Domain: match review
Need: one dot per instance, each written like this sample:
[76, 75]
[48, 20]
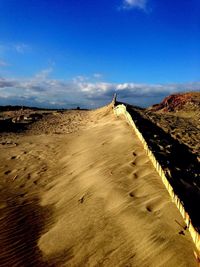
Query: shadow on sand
[180, 165]
[21, 224]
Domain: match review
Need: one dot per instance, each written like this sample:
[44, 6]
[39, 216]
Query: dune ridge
[121, 109]
[88, 196]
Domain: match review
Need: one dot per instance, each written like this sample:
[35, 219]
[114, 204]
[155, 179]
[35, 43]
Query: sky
[69, 53]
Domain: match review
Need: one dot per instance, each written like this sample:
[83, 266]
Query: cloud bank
[141, 4]
[43, 91]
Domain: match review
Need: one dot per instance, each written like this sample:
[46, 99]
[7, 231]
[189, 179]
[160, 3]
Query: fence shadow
[180, 165]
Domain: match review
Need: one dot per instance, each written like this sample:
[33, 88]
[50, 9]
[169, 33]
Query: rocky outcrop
[176, 102]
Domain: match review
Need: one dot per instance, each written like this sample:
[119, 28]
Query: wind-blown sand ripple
[21, 224]
[91, 206]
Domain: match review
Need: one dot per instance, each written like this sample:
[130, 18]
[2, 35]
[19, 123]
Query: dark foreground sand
[84, 193]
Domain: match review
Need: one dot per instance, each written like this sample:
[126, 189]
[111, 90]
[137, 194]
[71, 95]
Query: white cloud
[20, 48]
[80, 79]
[44, 74]
[83, 92]
[97, 75]
[141, 4]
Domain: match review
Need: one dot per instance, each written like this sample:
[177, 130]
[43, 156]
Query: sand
[182, 126]
[85, 195]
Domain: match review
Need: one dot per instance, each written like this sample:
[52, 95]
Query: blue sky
[65, 53]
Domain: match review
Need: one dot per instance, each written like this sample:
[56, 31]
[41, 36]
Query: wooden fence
[121, 110]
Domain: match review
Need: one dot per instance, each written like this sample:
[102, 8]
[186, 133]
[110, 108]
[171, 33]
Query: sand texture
[180, 164]
[77, 189]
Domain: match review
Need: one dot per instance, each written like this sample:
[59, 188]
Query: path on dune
[87, 197]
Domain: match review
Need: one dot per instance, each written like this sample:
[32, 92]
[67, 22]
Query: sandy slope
[88, 198]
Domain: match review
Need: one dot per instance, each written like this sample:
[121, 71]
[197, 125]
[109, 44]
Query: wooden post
[114, 98]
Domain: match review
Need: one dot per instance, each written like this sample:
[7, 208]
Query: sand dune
[88, 196]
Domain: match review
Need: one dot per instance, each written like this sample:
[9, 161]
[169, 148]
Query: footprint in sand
[131, 194]
[22, 195]
[149, 208]
[133, 163]
[81, 200]
[154, 206]
[44, 169]
[9, 144]
[7, 172]
[181, 233]
[135, 176]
